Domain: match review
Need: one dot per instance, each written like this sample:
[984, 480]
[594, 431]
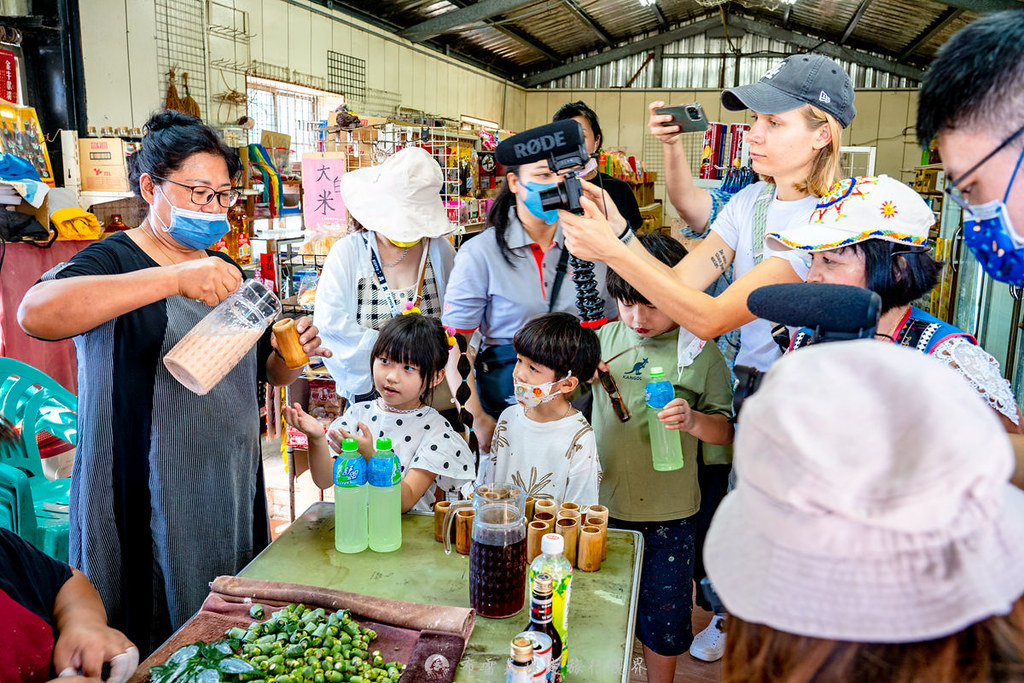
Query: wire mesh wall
[346, 74]
[181, 45]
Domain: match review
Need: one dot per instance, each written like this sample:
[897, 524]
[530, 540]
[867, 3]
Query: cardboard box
[103, 165]
[929, 180]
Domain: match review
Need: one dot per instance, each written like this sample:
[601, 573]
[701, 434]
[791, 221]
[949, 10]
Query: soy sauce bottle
[540, 620]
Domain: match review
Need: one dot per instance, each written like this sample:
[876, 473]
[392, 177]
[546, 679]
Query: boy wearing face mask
[542, 443]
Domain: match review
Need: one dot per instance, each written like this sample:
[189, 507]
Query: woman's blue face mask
[533, 204]
[195, 229]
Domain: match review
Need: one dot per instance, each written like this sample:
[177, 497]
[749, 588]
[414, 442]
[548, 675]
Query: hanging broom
[173, 101]
[188, 103]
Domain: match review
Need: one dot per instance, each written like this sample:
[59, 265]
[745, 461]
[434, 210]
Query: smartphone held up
[689, 117]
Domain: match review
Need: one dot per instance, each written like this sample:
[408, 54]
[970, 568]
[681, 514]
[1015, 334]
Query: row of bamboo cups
[585, 530]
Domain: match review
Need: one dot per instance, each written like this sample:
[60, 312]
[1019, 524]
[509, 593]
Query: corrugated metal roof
[714, 67]
[542, 34]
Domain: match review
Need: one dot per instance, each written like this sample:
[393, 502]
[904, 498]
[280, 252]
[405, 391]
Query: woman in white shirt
[799, 108]
[371, 276]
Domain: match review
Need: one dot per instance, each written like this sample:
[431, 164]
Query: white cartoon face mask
[532, 395]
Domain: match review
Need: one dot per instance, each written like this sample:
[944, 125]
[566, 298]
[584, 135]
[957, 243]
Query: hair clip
[450, 332]
[410, 308]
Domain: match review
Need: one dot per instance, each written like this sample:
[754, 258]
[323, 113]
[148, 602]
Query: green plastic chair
[17, 493]
[34, 402]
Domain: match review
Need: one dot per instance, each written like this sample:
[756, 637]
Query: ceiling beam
[850, 27]
[589, 22]
[645, 45]
[518, 35]
[529, 41]
[982, 6]
[822, 46]
[940, 23]
[346, 8]
[471, 14]
[660, 16]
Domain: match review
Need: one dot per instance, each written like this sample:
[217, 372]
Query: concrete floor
[688, 669]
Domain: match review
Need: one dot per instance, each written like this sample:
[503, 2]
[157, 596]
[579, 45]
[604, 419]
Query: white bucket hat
[401, 198]
[858, 209]
[872, 503]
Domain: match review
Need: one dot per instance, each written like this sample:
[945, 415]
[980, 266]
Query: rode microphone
[561, 144]
[833, 312]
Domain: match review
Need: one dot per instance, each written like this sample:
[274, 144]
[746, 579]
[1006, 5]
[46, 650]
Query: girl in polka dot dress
[409, 358]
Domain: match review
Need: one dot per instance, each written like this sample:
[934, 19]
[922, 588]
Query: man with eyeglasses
[972, 103]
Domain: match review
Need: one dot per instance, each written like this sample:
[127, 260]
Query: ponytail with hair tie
[463, 393]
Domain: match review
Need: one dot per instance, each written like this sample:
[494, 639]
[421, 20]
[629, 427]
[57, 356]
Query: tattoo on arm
[719, 261]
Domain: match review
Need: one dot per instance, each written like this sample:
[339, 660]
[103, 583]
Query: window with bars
[290, 109]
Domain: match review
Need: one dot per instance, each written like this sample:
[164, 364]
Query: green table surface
[601, 612]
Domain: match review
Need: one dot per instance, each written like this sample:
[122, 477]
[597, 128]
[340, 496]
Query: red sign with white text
[9, 77]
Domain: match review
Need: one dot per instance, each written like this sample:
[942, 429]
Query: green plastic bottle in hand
[385, 477]
[666, 446]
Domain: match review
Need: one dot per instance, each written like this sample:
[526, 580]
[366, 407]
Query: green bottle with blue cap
[385, 478]
[350, 491]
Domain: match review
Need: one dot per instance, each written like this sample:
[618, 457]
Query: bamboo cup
[571, 514]
[590, 549]
[288, 343]
[440, 510]
[547, 518]
[544, 505]
[569, 506]
[569, 529]
[534, 533]
[599, 511]
[463, 530]
[603, 526]
[530, 502]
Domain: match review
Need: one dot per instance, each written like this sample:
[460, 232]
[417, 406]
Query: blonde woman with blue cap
[799, 109]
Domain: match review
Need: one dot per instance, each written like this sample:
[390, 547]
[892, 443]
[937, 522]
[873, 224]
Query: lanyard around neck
[382, 281]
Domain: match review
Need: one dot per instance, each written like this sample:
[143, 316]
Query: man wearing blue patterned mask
[972, 102]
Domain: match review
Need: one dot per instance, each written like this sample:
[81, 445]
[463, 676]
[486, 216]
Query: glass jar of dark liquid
[497, 555]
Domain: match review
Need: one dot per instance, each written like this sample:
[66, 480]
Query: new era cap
[794, 82]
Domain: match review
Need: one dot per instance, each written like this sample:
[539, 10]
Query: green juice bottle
[350, 499]
[551, 561]
[385, 478]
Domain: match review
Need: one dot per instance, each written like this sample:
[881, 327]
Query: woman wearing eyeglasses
[167, 490]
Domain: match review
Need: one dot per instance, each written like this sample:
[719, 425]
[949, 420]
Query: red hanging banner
[9, 77]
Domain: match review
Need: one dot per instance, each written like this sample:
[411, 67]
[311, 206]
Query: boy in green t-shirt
[663, 506]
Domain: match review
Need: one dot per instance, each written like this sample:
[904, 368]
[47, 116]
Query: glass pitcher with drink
[497, 554]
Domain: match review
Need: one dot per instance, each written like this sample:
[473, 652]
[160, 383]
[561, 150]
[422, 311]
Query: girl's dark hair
[498, 216]
[558, 341]
[414, 339]
[899, 273]
[580, 108]
[662, 247]
[170, 138]
[421, 340]
[989, 650]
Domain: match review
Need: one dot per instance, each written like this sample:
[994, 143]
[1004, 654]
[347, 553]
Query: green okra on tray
[297, 644]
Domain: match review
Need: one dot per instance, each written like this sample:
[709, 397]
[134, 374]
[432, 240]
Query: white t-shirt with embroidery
[421, 439]
[548, 459]
[735, 225]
